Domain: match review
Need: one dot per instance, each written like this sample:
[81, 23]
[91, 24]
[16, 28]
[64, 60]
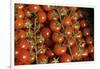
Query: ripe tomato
[52, 15]
[42, 49]
[49, 53]
[32, 57]
[71, 42]
[19, 23]
[20, 14]
[46, 32]
[55, 26]
[24, 57]
[40, 39]
[76, 26]
[85, 53]
[19, 6]
[48, 43]
[42, 59]
[90, 49]
[83, 24]
[76, 53]
[17, 62]
[69, 31]
[17, 52]
[67, 21]
[47, 7]
[59, 49]
[78, 35]
[65, 58]
[86, 32]
[82, 43]
[34, 8]
[23, 44]
[22, 34]
[58, 37]
[41, 16]
[89, 40]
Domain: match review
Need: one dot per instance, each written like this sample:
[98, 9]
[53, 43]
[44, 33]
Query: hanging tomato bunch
[51, 34]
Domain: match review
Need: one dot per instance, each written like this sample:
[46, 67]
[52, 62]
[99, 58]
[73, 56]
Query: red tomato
[34, 8]
[46, 32]
[42, 59]
[52, 15]
[19, 23]
[32, 57]
[49, 53]
[71, 42]
[65, 58]
[69, 31]
[78, 35]
[17, 62]
[82, 43]
[48, 43]
[76, 53]
[55, 26]
[59, 49]
[86, 32]
[40, 39]
[24, 57]
[22, 34]
[91, 49]
[41, 16]
[83, 23]
[20, 14]
[89, 40]
[23, 44]
[85, 53]
[47, 7]
[19, 6]
[42, 49]
[67, 21]
[76, 26]
[57, 37]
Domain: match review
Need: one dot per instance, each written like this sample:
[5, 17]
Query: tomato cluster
[51, 34]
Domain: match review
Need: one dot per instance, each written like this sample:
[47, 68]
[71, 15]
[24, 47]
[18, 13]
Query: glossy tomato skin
[78, 35]
[19, 23]
[42, 59]
[41, 16]
[55, 26]
[76, 54]
[69, 31]
[32, 57]
[65, 58]
[47, 7]
[83, 24]
[57, 37]
[46, 32]
[59, 50]
[24, 57]
[49, 53]
[23, 44]
[22, 34]
[86, 32]
[71, 42]
[20, 14]
[90, 49]
[85, 53]
[52, 15]
[67, 21]
[34, 8]
[89, 40]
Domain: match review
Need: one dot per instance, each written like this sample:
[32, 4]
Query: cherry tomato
[41, 16]
[19, 6]
[22, 34]
[65, 58]
[19, 23]
[59, 49]
[86, 32]
[23, 44]
[78, 35]
[47, 7]
[85, 53]
[20, 14]
[83, 24]
[32, 57]
[76, 53]
[58, 37]
[24, 57]
[89, 40]
[76, 26]
[49, 53]
[34, 8]
[52, 15]
[48, 43]
[46, 32]
[90, 49]
[42, 59]
[71, 42]
[42, 49]
[82, 43]
[69, 31]
[67, 21]
[55, 26]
